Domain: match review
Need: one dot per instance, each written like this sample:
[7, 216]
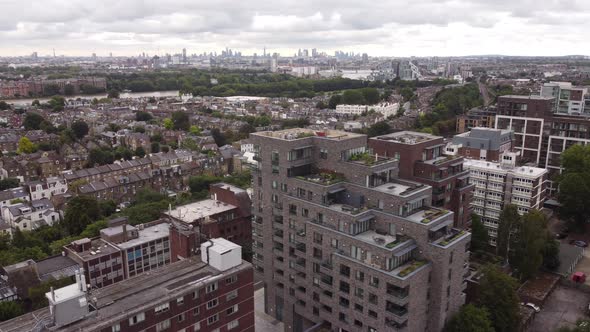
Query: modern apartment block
[568, 99]
[210, 292]
[542, 128]
[340, 242]
[422, 158]
[482, 144]
[498, 184]
[475, 118]
[226, 214]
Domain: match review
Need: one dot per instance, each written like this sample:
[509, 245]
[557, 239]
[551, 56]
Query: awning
[365, 218]
[439, 226]
[335, 190]
[405, 250]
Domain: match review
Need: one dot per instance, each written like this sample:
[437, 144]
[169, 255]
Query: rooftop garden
[432, 214]
[398, 240]
[363, 157]
[324, 178]
[451, 238]
[413, 266]
[305, 134]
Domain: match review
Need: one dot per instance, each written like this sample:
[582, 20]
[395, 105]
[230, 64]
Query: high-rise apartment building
[341, 242]
[212, 293]
[498, 184]
[422, 158]
[568, 99]
[543, 126]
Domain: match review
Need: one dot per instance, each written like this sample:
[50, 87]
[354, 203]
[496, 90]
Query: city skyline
[394, 28]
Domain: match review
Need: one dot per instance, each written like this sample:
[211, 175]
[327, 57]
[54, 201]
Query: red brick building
[422, 159]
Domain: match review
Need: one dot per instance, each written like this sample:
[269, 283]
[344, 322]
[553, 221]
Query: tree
[9, 183]
[180, 121]
[33, 121]
[80, 129]
[407, 93]
[140, 152]
[80, 212]
[107, 208]
[379, 128]
[69, 90]
[168, 124]
[219, 137]
[551, 254]
[195, 130]
[574, 186]
[155, 147]
[26, 146]
[10, 309]
[321, 105]
[479, 234]
[509, 220]
[334, 101]
[36, 103]
[371, 95]
[143, 116]
[113, 94]
[353, 97]
[139, 129]
[4, 105]
[527, 255]
[497, 294]
[470, 319]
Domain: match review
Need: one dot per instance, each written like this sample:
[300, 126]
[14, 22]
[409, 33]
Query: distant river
[28, 101]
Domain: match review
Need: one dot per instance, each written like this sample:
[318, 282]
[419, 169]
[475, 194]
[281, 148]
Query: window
[231, 279]
[374, 281]
[372, 314]
[372, 298]
[162, 308]
[162, 326]
[231, 295]
[137, 319]
[181, 317]
[116, 328]
[324, 153]
[197, 326]
[195, 311]
[360, 276]
[211, 287]
[212, 319]
[212, 304]
[195, 294]
[180, 301]
[232, 309]
[233, 324]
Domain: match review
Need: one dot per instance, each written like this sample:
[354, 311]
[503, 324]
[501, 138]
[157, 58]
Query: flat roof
[147, 234]
[298, 133]
[407, 137]
[134, 295]
[533, 97]
[191, 212]
[98, 247]
[518, 170]
[230, 187]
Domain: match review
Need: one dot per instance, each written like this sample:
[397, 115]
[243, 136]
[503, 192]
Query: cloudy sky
[384, 27]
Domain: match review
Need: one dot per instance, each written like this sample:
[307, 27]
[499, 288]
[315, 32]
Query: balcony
[399, 311]
[427, 215]
[453, 236]
[382, 239]
[408, 268]
[367, 159]
[323, 178]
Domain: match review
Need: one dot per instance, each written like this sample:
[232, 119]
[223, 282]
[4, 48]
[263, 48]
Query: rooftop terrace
[189, 213]
[408, 137]
[298, 133]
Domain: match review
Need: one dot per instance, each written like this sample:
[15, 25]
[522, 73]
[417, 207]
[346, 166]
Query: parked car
[532, 306]
[579, 243]
[560, 236]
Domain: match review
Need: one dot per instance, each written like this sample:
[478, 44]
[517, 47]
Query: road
[483, 91]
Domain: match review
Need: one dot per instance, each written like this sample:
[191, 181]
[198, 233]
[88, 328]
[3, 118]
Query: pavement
[562, 308]
[262, 321]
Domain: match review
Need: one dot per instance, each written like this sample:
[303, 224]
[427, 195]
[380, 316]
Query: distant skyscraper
[264, 52]
[184, 55]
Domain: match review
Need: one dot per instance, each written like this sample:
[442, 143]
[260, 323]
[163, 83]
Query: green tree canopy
[180, 121]
[80, 212]
[33, 121]
[574, 186]
[509, 222]
[379, 128]
[143, 116]
[497, 294]
[470, 319]
[479, 234]
[26, 146]
[80, 129]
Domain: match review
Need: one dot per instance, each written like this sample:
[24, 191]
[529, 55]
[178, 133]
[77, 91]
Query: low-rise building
[482, 144]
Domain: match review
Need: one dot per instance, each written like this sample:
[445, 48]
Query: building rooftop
[66, 293]
[132, 295]
[147, 234]
[408, 137]
[298, 133]
[191, 212]
[531, 97]
[98, 247]
[229, 187]
[519, 170]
